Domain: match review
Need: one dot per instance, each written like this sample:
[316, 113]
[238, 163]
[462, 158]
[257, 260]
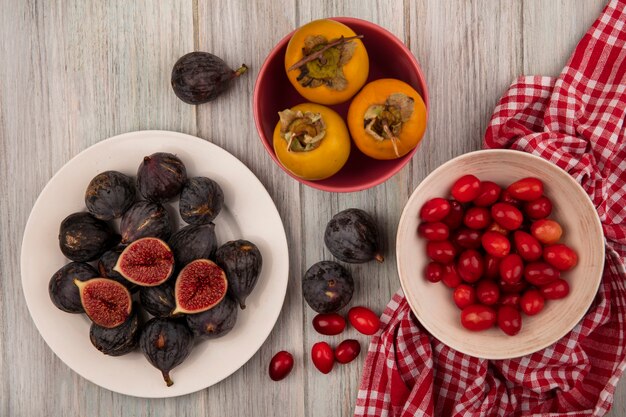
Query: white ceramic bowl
[432, 303]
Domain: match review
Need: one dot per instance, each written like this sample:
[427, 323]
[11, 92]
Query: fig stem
[318, 54]
[241, 70]
[379, 258]
[166, 377]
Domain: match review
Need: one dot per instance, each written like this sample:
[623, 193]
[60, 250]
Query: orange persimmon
[311, 141]
[326, 62]
[387, 119]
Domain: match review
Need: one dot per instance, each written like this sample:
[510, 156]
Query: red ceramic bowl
[388, 58]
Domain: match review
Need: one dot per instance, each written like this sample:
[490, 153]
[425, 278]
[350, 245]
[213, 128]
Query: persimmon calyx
[384, 121]
[324, 60]
[303, 131]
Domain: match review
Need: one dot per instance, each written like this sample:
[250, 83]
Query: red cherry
[323, 357]
[347, 351]
[281, 365]
[466, 188]
[364, 320]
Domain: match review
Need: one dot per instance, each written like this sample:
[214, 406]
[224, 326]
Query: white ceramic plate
[432, 303]
[249, 213]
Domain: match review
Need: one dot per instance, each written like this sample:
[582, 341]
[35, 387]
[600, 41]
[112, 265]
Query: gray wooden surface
[75, 72]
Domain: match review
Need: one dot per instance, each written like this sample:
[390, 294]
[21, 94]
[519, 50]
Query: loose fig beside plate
[327, 287]
[352, 236]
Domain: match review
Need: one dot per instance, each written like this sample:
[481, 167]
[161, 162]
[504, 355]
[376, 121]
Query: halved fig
[106, 302]
[147, 262]
[200, 286]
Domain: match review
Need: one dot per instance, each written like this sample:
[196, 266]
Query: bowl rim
[316, 184]
[410, 297]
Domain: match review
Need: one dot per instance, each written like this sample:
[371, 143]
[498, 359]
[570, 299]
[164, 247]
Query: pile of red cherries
[497, 249]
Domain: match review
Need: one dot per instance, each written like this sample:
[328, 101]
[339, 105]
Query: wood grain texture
[74, 73]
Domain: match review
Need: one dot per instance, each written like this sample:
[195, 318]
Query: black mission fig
[63, 293]
[216, 322]
[119, 340]
[193, 242]
[166, 343]
[241, 260]
[158, 301]
[199, 77]
[327, 287]
[145, 219]
[352, 236]
[109, 195]
[161, 177]
[83, 238]
[201, 200]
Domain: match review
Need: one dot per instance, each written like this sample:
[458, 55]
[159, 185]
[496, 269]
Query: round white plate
[248, 213]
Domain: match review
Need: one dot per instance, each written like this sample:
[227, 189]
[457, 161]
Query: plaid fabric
[575, 121]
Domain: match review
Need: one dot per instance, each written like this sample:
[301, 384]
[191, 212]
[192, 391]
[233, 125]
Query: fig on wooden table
[327, 287]
[147, 262]
[201, 200]
[158, 301]
[193, 242]
[166, 343]
[63, 293]
[145, 219]
[352, 236]
[109, 194]
[161, 177]
[241, 260]
[199, 77]
[119, 340]
[216, 322]
[200, 286]
[83, 238]
[106, 302]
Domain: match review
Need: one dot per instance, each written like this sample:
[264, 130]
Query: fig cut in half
[147, 262]
[200, 286]
[106, 302]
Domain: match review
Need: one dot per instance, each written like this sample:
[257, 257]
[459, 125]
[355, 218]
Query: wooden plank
[245, 32]
[552, 31]
[73, 74]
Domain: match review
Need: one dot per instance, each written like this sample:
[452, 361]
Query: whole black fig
[327, 287]
[161, 177]
[145, 219]
[199, 77]
[201, 200]
[241, 261]
[166, 343]
[84, 238]
[109, 195]
[352, 236]
[158, 301]
[63, 293]
[215, 322]
[193, 242]
[117, 341]
[107, 262]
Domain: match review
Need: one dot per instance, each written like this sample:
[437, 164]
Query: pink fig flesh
[200, 286]
[106, 302]
[147, 262]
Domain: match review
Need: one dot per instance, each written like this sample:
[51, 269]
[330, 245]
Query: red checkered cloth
[575, 121]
